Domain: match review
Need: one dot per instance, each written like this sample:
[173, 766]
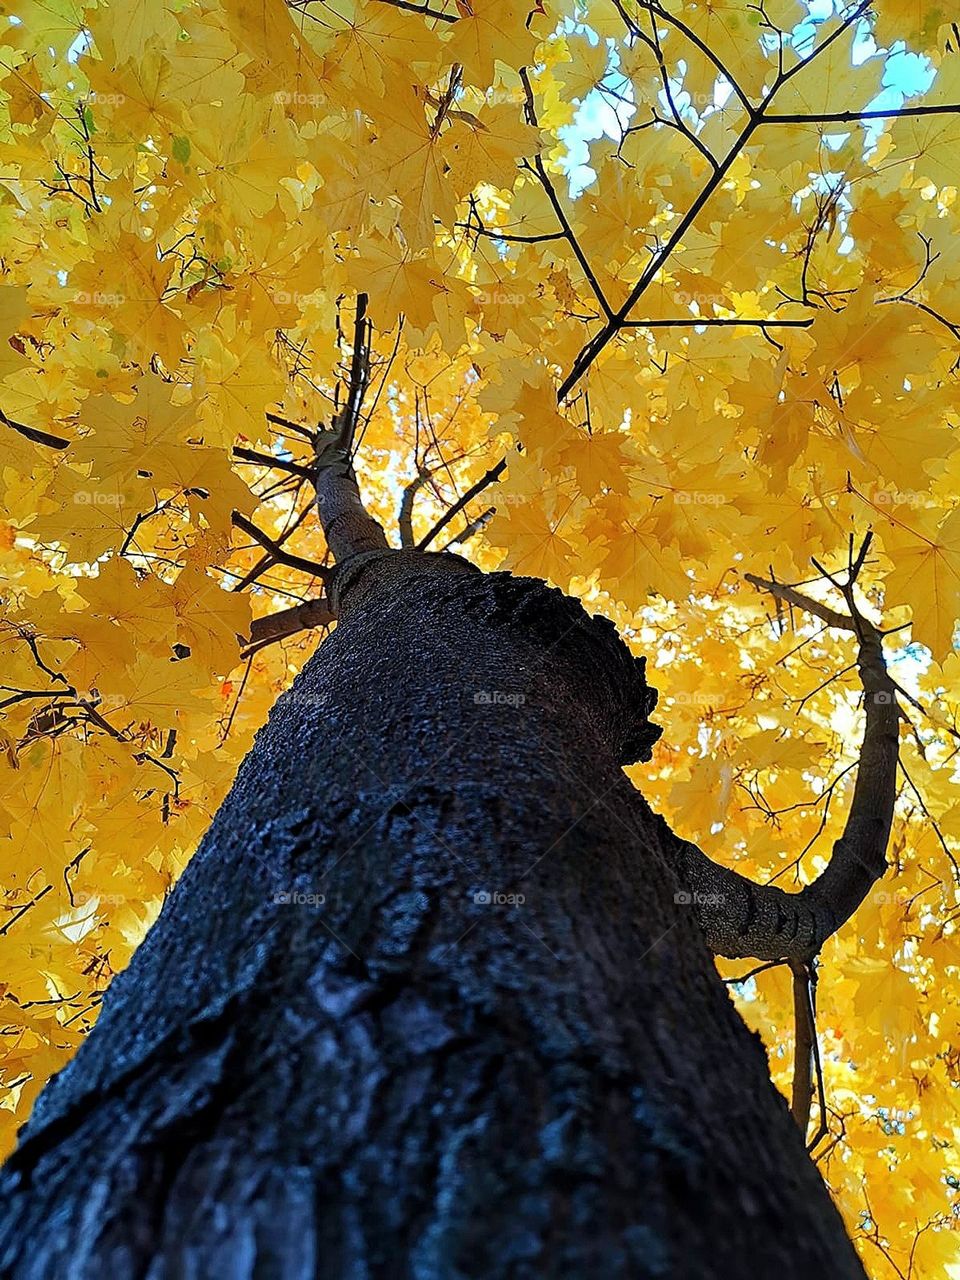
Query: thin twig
[486, 479]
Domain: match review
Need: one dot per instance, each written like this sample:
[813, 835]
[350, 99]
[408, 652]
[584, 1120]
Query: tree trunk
[424, 1004]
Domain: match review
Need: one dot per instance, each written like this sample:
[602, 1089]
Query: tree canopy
[658, 295]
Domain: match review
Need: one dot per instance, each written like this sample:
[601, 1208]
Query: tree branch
[405, 516]
[469, 530]
[287, 622]
[674, 21]
[804, 1034]
[276, 420]
[852, 117]
[652, 42]
[740, 918]
[268, 460]
[780, 591]
[486, 479]
[34, 433]
[423, 9]
[538, 169]
[694, 322]
[279, 553]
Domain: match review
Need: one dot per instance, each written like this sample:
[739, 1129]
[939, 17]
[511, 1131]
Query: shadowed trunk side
[424, 1004]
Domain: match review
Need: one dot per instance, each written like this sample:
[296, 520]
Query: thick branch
[740, 918]
[804, 1033]
[790, 595]
[405, 517]
[287, 622]
[470, 530]
[268, 460]
[279, 553]
[276, 420]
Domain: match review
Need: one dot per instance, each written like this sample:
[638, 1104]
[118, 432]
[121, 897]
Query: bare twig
[279, 553]
[486, 479]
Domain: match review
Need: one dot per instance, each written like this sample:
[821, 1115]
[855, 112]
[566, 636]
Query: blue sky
[905, 75]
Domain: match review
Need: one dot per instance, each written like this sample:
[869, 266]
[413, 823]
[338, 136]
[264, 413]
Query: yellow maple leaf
[926, 574]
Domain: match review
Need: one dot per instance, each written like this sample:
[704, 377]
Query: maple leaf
[124, 285]
[535, 541]
[244, 150]
[210, 622]
[926, 559]
[141, 440]
[636, 563]
[485, 147]
[488, 31]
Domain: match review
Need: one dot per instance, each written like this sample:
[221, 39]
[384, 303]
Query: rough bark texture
[424, 1076]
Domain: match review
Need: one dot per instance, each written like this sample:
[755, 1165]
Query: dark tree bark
[498, 1046]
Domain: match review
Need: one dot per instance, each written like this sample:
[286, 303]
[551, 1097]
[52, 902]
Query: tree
[438, 985]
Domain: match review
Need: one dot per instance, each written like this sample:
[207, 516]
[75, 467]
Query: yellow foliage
[192, 196]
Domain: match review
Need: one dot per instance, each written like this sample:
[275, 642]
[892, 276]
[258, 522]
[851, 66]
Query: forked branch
[488, 478]
[279, 553]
